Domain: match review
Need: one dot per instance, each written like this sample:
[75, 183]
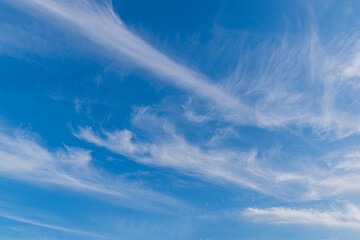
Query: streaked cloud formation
[299, 82]
[45, 225]
[100, 24]
[22, 157]
[282, 123]
[348, 217]
[332, 176]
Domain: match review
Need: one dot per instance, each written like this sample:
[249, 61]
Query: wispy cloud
[303, 81]
[287, 83]
[100, 24]
[299, 81]
[305, 178]
[176, 153]
[49, 226]
[22, 157]
[348, 217]
[166, 148]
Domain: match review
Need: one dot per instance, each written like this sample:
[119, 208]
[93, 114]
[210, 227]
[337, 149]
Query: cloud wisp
[175, 153]
[100, 24]
[166, 148]
[49, 226]
[22, 157]
[347, 217]
[328, 177]
[307, 82]
[300, 81]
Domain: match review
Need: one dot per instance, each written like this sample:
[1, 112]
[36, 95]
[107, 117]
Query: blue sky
[179, 119]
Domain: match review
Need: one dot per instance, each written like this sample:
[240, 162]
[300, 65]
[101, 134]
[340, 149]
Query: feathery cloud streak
[21, 157]
[329, 177]
[46, 225]
[348, 217]
[100, 24]
[166, 148]
[272, 96]
[176, 153]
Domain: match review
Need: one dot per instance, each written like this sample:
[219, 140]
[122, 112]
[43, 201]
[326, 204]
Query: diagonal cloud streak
[347, 217]
[49, 226]
[100, 24]
[23, 158]
[272, 97]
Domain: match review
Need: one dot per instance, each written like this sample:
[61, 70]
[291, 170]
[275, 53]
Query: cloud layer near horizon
[348, 216]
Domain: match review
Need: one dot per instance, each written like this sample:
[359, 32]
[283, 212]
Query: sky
[208, 119]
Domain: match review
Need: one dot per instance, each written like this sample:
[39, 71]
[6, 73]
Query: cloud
[347, 217]
[304, 178]
[22, 157]
[100, 24]
[174, 152]
[306, 81]
[163, 147]
[300, 81]
[46, 225]
[334, 175]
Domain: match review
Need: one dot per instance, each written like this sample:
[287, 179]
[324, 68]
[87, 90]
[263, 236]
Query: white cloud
[334, 175]
[331, 176]
[46, 225]
[22, 157]
[348, 217]
[307, 82]
[175, 152]
[101, 25]
[296, 81]
[165, 148]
